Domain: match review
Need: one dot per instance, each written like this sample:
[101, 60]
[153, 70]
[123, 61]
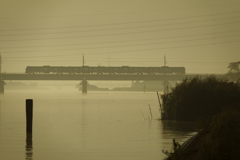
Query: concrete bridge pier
[2, 83]
[165, 86]
[84, 86]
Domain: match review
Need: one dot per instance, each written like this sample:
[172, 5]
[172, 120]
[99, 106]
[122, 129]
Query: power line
[123, 23]
[107, 29]
[68, 49]
[105, 61]
[113, 59]
[136, 40]
[126, 33]
[162, 48]
[116, 13]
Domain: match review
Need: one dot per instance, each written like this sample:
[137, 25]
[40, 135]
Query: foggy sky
[203, 36]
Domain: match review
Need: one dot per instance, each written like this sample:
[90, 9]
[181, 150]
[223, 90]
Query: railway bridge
[97, 77]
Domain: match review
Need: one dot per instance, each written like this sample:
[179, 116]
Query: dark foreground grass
[218, 140]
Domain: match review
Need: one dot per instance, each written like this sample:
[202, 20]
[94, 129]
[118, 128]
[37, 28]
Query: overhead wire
[132, 32]
[130, 12]
[161, 48]
[105, 61]
[126, 33]
[164, 48]
[107, 29]
[124, 41]
[129, 45]
[132, 22]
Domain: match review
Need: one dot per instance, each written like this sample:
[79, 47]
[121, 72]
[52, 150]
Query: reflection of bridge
[84, 77]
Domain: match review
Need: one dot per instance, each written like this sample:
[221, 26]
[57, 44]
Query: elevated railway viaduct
[93, 77]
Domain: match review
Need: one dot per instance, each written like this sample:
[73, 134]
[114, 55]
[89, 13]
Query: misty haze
[119, 80]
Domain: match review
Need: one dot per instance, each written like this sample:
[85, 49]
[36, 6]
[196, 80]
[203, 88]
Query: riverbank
[218, 139]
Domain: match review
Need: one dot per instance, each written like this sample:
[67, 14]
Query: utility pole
[83, 59]
[165, 61]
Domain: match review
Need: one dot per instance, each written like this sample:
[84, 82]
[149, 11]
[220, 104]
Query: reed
[150, 110]
[142, 114]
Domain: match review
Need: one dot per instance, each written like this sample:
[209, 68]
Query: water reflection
[0, 109]
[89, 127]
[29, 147]
[179, 126]
[178, 129]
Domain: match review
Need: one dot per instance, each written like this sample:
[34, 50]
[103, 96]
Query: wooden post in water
[2, 85]
[29, 115]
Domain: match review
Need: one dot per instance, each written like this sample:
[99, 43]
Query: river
[94, 126]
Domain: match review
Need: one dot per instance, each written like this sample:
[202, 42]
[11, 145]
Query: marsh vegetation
[215, 104]
[199, 97]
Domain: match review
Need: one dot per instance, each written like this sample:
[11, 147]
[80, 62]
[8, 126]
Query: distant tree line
[199, 97]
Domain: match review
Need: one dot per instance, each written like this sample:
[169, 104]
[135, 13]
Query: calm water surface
[93, 126]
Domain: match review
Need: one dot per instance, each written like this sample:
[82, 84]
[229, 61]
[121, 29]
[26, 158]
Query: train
[104, 70]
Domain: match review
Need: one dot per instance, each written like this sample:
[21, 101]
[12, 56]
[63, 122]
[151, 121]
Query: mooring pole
[2, 85]
[29, 115]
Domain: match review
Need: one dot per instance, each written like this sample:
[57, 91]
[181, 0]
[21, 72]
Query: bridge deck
[120, 77]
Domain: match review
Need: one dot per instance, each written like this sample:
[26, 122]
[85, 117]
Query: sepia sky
[203, 36]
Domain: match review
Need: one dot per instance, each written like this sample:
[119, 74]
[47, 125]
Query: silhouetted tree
[234, 67]
[234, 72]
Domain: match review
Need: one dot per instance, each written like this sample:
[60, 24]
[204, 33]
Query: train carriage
[55, 69]
[104, 70]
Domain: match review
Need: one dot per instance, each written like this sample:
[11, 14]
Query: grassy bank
[217, 140]
[215, 104]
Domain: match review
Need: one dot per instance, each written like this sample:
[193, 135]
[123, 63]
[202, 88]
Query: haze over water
[99, 125]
